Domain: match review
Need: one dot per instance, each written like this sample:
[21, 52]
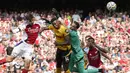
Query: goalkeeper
[77, 55]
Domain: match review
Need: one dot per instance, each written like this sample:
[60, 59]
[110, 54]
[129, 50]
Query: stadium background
[86, 5]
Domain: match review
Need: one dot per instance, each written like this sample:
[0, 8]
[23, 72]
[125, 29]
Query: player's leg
[14, 53]
[66, 64]
[58, 61]
[81, 69]
[71, 64]
[28, 53]
[66, 58]
[26, 66]
[7, 59]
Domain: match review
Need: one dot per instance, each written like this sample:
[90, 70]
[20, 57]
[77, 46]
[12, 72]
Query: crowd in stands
[110, 32]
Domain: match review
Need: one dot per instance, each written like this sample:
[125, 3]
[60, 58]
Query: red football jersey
[32, 33]
[94, 58]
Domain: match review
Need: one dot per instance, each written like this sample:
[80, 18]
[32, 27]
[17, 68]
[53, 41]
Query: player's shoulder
[51, 26]
[36, 25]
[73, 33]
[64, 29]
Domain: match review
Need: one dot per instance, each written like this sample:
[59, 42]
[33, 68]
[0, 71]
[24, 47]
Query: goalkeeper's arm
[58, 15]
[47, 21]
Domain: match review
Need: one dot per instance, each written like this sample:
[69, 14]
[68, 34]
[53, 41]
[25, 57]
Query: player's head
[75, 25]
[89, 40]
[56, 23]
[30, 19]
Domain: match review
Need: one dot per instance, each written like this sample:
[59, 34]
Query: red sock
[24, 71]
[2, 61]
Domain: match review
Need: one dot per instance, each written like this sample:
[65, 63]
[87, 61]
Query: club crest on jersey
[67, 31]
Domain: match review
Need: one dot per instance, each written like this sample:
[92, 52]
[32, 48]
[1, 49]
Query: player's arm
[46, 28]
[99, 48]
[83, 42]
[58, 15]
[106, 56]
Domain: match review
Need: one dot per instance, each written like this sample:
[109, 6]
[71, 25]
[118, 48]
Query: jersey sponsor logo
[33, 30]
[95, 57]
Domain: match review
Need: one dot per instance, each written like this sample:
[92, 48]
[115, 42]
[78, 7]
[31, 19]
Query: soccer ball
[111, 6]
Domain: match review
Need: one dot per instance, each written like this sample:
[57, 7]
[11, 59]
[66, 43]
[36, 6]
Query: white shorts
[23, 49]
[92, 67]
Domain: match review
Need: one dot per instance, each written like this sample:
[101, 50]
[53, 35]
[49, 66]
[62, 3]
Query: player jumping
[62, 43]
[24, 48]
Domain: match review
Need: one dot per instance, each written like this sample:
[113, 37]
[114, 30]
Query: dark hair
[77, 24]
[29, 17]
[54, 19]
[90, 37]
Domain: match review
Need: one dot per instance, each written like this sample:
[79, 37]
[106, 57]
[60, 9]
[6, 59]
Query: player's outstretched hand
[54, 10]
